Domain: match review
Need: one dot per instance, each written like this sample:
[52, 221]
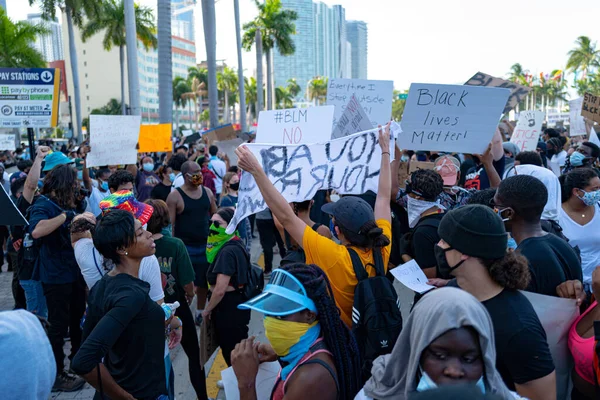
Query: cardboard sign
[295, 125]
[353, 120]
[7, 142]
[556, 316]
[155, 138]
[403, 173]
[527, 132]
[10, 213]
[576, 121]
[591, 107]
[374, 96]
[113, 139]
[415, 165]
[517, 92]
[228, 147]
[451, 118]
[412, 276]
[265, 381]
[225, 132]
[349, 165]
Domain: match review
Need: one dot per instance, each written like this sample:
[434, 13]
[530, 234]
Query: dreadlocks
[337, 336]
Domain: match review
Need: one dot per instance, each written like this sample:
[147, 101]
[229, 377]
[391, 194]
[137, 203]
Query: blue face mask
[590, 198]
[332, 229]
[104, 186]
[148, 167]
[171, 176]
[426, 383]
[512, 244]
[577, 159]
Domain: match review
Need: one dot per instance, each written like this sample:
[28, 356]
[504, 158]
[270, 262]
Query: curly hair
[526, 194]
[60, 185]
[510, 271]
[337, 336]
[160, 216]
[120, 177]
[370, 236]
[428, 183]
[578, 178]
[529, 158]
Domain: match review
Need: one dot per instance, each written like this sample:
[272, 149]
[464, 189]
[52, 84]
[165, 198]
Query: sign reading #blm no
[451, 118]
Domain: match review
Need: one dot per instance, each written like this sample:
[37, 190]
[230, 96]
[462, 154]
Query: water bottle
[169, 309]
[28, 251]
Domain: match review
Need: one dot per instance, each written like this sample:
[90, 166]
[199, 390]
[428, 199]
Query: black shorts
[200, 264]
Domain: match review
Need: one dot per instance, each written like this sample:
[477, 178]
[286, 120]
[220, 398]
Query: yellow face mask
[284, 334]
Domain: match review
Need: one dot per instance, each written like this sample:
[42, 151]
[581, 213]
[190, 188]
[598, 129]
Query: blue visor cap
[283, 295]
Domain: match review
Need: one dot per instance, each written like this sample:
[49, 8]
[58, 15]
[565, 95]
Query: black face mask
[550, 152]
[234, 186]
[443, 268]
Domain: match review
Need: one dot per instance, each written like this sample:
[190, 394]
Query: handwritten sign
[7, 142]
[265, 381]
[576, 121]
[517, 92]
[591, 107]
[155, 138]
[113, 139]
[527, 132]
[295, 125]
[349, 165]
[412, 276]
[451, 118]
[353, 120]
[374, 96]
[10, 213]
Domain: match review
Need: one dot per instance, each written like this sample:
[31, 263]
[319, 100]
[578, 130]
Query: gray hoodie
[394, 376]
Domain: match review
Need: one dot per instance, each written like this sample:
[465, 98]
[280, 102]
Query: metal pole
[238, 35]
[30, 134]
[165, 65]
[132, 62]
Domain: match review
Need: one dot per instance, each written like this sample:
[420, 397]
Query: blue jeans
[34, 295]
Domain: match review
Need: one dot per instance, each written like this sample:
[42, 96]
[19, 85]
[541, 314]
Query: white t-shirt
[96, 196]
[178, 182]
[93, 271]
[218, 168]
[587, 237]
[560, 158]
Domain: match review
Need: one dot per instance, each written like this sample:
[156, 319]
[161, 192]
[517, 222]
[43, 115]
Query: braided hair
[336, 334]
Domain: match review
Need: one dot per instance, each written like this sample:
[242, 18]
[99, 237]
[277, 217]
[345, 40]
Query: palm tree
[283, 98]
[112, 22]
[293, 87]
[251, 97]
[238, 38]
[75, 10]
[589, 85]
[165, 62]
[517, 74]
[210, 40]
[583, 57]
[16, 43]
[276, 26]
[227, 81]
[181, 91]
[198, 79]
[317, 89]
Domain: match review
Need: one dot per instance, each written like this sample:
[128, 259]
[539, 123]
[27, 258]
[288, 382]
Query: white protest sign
[527, 132]
[353, 120]
[7, 142]
[187, 132]
[295, 125]
[451, 118]
[374, 96]
[594, 137]
[113, 139]
[350, 165]
[228, 147]
[265, 381]
[556, 316]
[576, 121]
[412, 276]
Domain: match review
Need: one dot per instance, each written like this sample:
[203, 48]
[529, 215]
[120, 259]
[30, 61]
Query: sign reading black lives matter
[517, 92]
[350, 165]
[451, 118]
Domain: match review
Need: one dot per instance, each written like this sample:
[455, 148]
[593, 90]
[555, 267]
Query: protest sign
[155, 138]
[265, 381]
[7, 142]
[228, 147]
[295, 125]
[402, 173]
[187, 132]
[374, 96]
[349, 165]
[576, 121]
[554, 117]
[594, 137]
[224, 132]
[113, 139]
[517, 92]
[412, 276]
[527, 132]
[353, 120]
[451, 118]
[591, 107]
[557, 315]
[10, 213]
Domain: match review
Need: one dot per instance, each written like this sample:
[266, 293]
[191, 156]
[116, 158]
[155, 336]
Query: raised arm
[394, 172]
[497, 149]
[382, 204]
[31, 183]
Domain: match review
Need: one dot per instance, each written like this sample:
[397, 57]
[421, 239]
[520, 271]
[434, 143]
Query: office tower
[50, 45]
[182, 23]
[356, 33]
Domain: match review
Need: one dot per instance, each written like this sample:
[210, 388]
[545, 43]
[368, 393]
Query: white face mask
[417, 207]
[334, 197]
[426, 383]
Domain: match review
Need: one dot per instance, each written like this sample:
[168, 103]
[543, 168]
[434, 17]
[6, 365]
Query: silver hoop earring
[126, 253]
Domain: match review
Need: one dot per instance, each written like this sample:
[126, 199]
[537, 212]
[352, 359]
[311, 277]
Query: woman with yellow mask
[317, 352]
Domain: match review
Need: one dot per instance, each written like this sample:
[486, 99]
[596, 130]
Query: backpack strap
[359, 269]
[316, 226]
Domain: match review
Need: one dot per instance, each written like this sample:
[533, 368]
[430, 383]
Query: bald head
[190, 167]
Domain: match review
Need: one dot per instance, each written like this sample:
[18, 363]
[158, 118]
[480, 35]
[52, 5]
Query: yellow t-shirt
[335, 260]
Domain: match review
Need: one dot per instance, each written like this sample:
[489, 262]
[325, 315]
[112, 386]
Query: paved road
[183, 388]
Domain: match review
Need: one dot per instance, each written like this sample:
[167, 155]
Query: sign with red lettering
[591, 107]
[527, 132]
[353, 120]
[295, 125]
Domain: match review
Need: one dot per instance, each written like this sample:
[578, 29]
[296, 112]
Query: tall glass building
[50, 45]
[330, 40]
[356, 32]
[182, 24]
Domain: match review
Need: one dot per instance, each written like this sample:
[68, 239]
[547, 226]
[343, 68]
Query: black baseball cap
[351, 213]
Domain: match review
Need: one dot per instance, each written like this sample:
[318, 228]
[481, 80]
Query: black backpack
[255, 276]
[376, 316]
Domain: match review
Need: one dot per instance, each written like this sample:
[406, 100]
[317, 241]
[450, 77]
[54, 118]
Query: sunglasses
[216, 223]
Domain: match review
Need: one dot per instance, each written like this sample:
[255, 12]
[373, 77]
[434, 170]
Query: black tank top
[191, 226]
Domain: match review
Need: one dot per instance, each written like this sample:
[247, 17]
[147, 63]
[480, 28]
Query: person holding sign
[354, 223]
